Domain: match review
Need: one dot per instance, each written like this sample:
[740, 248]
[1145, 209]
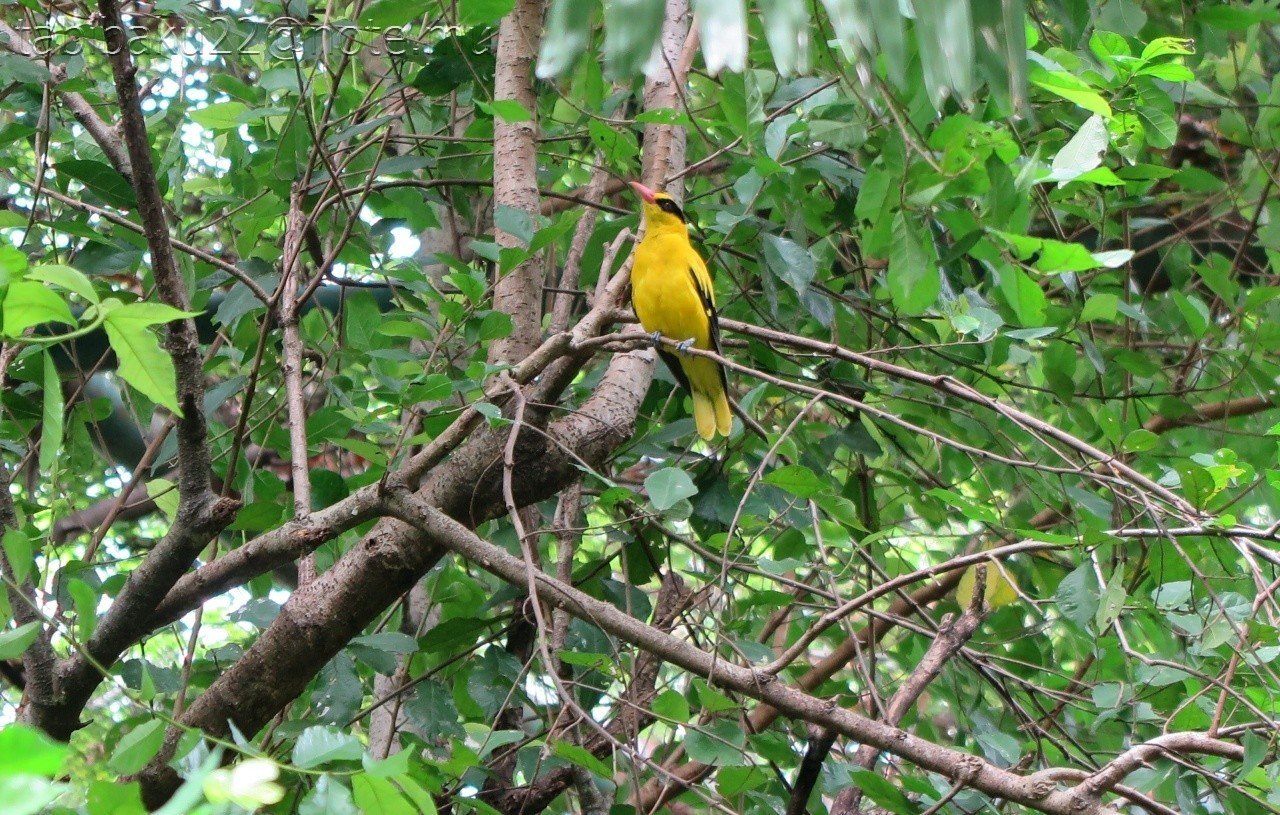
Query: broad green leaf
[944, 33]
[719, 743]
[141, 361]
[631, 27]
[137, 747]
[373, 794]
[27, 304]
[146, 313]
[913, 275]
[85, 599]
[165, 493]
[583, 758]
[1001, 48]
[796, 479]
[883, 792]
[1082, 152]
[14, 642]
[383, 14]
[667, 486]
[723, 27]
[568, 30]
[1071, 88]
[1101, 306]
[509, 110]
[787, 28]
[18, 549]
[790, 261]
[27, 751]
[321, 745]
[483, 12]
[328, 797]
[1077, 596]
[28, 794]
[891, 37]
[853, 28]
[101, 179]
[72, 280]
[219, 115]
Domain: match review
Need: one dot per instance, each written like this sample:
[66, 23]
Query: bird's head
[661, 212]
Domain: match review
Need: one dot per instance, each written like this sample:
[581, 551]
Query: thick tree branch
[518, 292]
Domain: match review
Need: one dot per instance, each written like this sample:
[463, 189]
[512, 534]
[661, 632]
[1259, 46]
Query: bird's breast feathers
[665, 294]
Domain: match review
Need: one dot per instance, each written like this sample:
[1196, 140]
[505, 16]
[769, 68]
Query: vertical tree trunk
[515, 178]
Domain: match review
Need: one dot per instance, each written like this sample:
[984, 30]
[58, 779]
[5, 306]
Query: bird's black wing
[713, 318]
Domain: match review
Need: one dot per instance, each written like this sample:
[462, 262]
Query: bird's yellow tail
[710, 404]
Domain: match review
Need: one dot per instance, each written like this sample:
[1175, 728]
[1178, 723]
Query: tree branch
[101, 132]
[518, 292]
[979, 774]
[200, 514]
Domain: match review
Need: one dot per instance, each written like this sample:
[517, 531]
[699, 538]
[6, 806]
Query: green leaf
[631, 27]
[27, 304]
[1071, 88]
[883, 792]
[944, 32]
[72, 280]
[85, 599]
[719, 743]
[137, 747]
[165, 494]
[27, 751]
[796, 479]
[321, 745]
[1100, 307]
[102, 180]
[145, 314]
[1083, 152]
[914, 279]
[509, 110]
[328, 797]
[383, 14]
[19, 550]
[568, 30]
[51, 415]
[483, 12]
[219, 115]
[672, 706]
[667, 486]
[724, 34]
[1162, 46]
[13, 644]
[516, 222]
[574, 754]
[790, 261]
[495, 324]
[1077, 596]
[787, 28]
[28, 794]
[373, 794]
[141, 361]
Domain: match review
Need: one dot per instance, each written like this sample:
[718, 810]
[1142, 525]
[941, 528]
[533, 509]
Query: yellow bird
[672, 294]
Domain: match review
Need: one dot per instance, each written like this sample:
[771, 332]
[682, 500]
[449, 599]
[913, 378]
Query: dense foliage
[304, 402]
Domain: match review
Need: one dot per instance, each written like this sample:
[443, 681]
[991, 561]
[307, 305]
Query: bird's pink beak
[646, 194]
